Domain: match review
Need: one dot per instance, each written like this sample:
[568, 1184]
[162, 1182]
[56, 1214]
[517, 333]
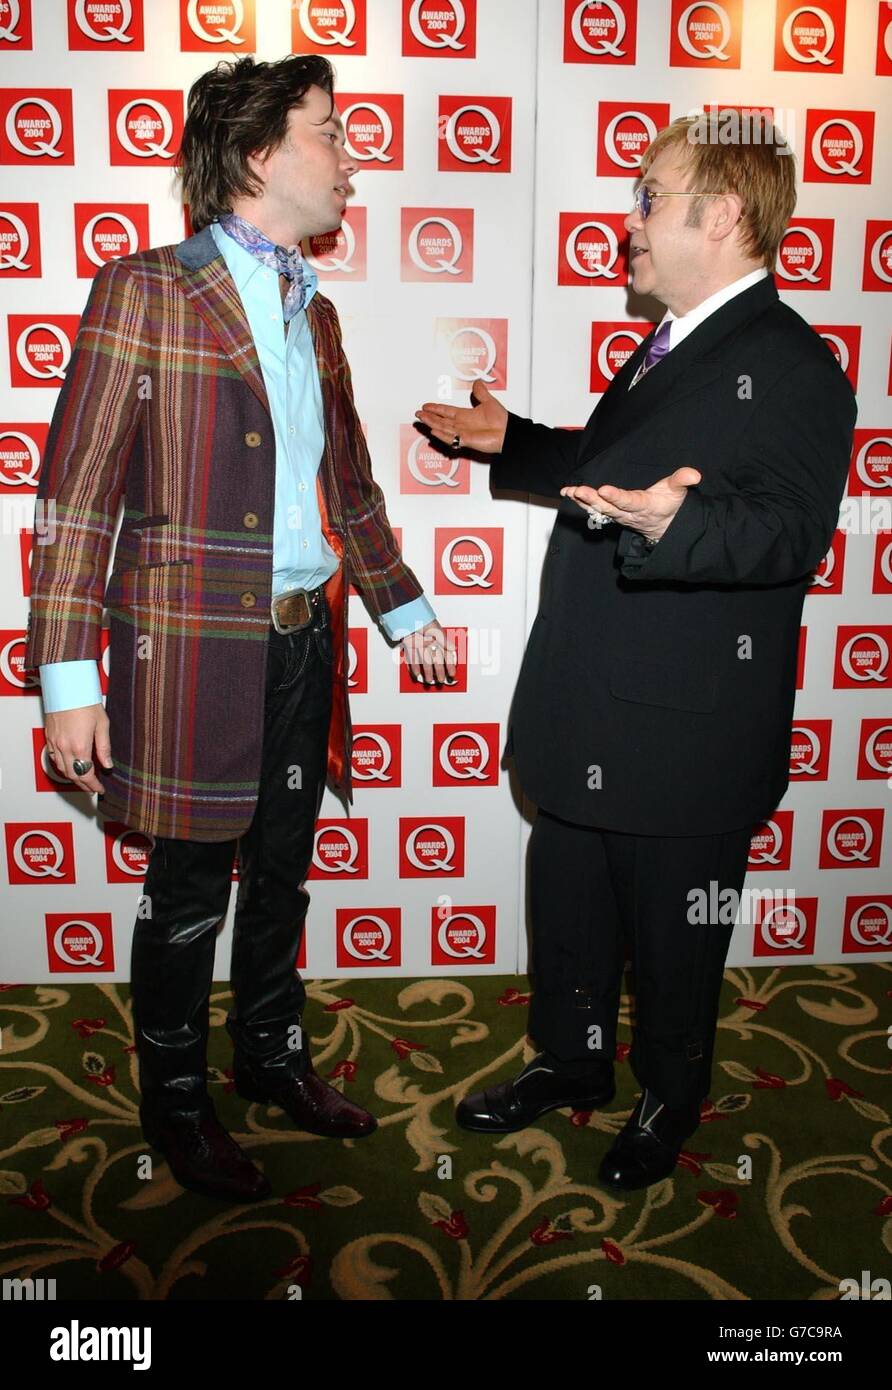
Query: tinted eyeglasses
[644, 198]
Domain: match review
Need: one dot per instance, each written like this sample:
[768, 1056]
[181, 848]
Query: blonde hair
[758, 166]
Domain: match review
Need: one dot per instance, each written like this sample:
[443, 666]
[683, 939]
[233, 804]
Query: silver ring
[456, 443]
[80, 767]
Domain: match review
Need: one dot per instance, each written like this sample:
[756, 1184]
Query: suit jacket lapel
[687, 368]
[206, 282]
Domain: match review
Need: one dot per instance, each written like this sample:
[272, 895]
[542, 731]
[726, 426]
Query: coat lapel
[207, 284]
[688, 368]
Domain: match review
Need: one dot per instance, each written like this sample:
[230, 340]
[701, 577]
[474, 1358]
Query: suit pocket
[161, 581]
[671, 687]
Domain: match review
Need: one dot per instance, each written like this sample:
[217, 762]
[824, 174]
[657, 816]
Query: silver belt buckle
[290, 627]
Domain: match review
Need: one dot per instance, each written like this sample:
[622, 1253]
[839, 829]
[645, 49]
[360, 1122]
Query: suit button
[248, 599]
[250, 519]
[554, 550]
[253, 439]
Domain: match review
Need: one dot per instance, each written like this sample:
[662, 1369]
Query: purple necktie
[659, 346]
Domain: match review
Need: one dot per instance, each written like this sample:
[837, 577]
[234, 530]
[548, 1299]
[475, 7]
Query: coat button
[253, 439]
[250, 519]
[248, 599]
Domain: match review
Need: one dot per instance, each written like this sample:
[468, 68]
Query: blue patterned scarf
[302, 280]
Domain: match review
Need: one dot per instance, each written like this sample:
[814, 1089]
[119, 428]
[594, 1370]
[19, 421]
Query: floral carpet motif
[784, 1191]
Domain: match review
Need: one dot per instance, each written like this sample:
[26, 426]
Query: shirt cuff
[409, 617]
[69, 685]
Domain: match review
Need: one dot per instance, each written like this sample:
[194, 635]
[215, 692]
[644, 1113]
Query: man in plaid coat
[208, 390]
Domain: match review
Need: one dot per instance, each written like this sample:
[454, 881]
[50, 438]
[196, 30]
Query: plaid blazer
[164, 405]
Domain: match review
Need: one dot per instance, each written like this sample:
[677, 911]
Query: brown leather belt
[297, 608]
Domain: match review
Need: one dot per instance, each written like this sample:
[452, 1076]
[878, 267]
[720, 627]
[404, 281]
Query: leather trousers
[187, 890]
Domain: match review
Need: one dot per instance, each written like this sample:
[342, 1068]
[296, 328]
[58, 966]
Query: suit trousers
[187, 891]
[599, 895]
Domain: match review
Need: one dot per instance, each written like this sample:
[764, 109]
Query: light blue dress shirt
[302, 558]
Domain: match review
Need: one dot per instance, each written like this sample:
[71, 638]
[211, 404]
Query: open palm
[480, 427]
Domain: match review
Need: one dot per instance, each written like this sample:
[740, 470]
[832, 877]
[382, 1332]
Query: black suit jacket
[656, 690]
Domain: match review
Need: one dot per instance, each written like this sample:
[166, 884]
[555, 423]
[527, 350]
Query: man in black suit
[651, 720]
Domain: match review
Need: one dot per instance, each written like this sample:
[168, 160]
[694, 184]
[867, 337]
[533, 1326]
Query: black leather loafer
[514, 1104]
[647, 1147]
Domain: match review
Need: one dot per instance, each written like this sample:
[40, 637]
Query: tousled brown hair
[238, 109]
[759, 167]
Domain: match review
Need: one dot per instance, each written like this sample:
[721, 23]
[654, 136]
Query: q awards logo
[432, 848]
[466, 755]
[15, 25]
[851, 839]
[144, 127]
[21, 450]
[593, 249]
[612, 346]
[36, 127]
[377, 755]
[468, 562]
[340, 849]
[705, 34]
[328, 26]
[14, 680]
[870, 470]
[439, 28]
[341, 254]
[82, 943]
[862, 658]
[40, 852]
[474, 135]
[882, 564]
[600, 31]
[373, 128]
[466, 934]
[884, 41]
[358, 660]
[104, 232]
[126, 852]
[877, 256]
[875, 750]
[105, 26]
[771, 845]
[474, 350]
[867, 924]
[838, 146]
[437, 245]
[217, 26]
[828, 577]
[425, 469]
[810, 750]
[624, 133]
[844, 341]
[805, 254]
[368, 937]
[40, 348]
[809, 37]
[785, 928]
[19, 241]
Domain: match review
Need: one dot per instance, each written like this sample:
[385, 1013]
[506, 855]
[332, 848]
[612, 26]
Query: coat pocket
[672, 687]
[158, 582]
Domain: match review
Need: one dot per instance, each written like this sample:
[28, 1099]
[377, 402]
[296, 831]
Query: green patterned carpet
[801, 1089]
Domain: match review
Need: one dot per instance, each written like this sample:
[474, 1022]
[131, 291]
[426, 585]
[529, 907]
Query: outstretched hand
[647, 510]
[481, 428]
